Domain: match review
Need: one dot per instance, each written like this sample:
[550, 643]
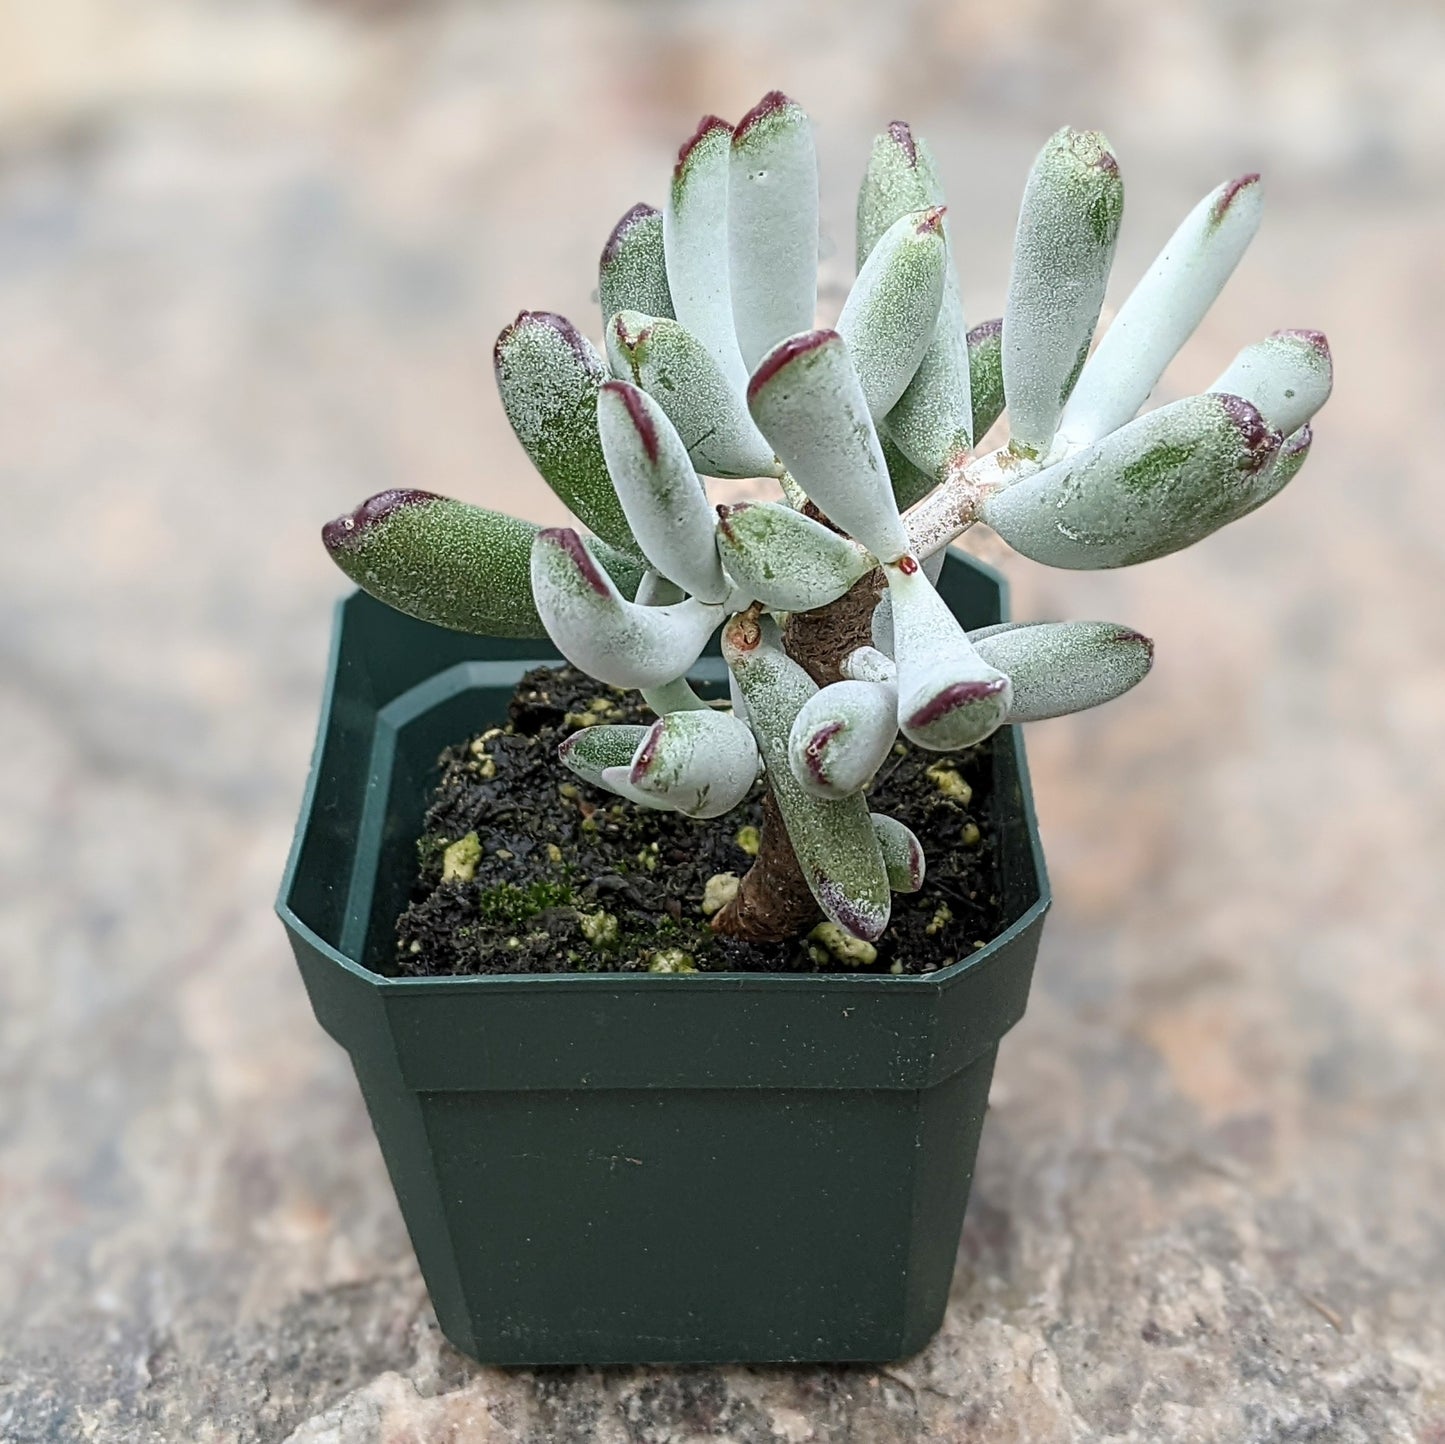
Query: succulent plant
[712, 365]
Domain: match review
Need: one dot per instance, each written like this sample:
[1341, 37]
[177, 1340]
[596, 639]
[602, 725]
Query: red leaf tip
[770, 104]
[638, 413]
[567, 540]
[901, 133]
[786, 352]
[1231, 193]
[640, 212]
[707, 126]
[347, 532]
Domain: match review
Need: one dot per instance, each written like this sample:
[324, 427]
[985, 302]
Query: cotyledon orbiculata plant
[836, 641]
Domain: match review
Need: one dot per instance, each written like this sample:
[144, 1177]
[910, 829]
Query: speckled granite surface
[251, 263]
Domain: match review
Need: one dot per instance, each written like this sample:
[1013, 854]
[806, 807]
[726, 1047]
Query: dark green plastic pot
[606, 1168]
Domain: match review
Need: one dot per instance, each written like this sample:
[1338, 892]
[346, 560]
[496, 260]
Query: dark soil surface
[567, 878]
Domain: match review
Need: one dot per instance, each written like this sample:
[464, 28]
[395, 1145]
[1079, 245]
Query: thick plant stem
[773, 901]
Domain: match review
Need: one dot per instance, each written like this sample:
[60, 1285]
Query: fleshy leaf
[772, 225]
[669, 363]
[842, 735]
[591, 750]
[1287, 377]
[891, 313]
[695, 238]
[1067, 229]
[948, 696]
[596, 629]
[1162, 311]
[1062, 667]
[787, 560]
[619, 780]
[1285, 467]
[807, 401]
[1154, 486]
[985, 371]
[701, 764]
[632, 274]
[901, 177]
[868, 664]
[654, 590]
[449, 563]
[902, 853]
[834, 840]
[909, 483]
[548, 375]
[932, 421]
[661, 495]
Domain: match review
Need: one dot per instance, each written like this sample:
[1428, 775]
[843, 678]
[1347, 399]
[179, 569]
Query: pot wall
[625, 1168]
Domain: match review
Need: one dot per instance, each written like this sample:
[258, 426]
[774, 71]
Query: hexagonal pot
[624, 1168]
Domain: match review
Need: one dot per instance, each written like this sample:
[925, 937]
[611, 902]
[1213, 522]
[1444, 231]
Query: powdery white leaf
[598, 630]
[891, 312]
[701, 764]
[1162, 311]
[1061, 667]
[841, 736]
[661, 494]
[695, 238]
[632, 274]
[669, 363]
[807, 401]
[1288, 376]
[772, 225]
[1067, 229]
[1154, 486]
[590, 751]
[787, 560]
[948, 696]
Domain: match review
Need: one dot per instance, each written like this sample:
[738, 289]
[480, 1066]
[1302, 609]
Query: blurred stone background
[252, 260]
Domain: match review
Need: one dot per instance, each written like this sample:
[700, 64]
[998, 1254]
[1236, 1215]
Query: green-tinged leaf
[1062, 667]
[1288, 376]
[787, 560]
[842, 735]
[449, 563]
[807, 401]
[661, 494]
[548, 375]
[632, 274]
[932, 422]
[701, 764]
[695, 238]
[891, 313]
[948, 696]
[1154, 486]
[772, 225]
[669, 363]
[1162, 312]
[590, 751]
[834, 840]
[902, 853]
[868, 664]
[596, 629]
[909, 483]
[901, 177]
[1067, 229]
[985, 371]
